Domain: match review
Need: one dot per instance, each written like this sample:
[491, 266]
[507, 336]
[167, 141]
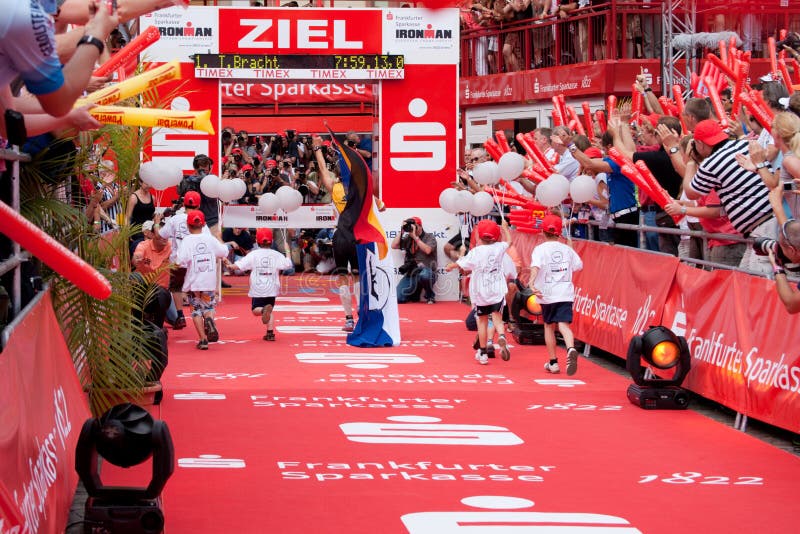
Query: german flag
[358, 215]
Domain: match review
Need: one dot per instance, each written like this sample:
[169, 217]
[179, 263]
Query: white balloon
[228, 190]
[171, 173]
[150, 172]
[561, 185]
[486, 173]
[241, 186]
[464, 201]
[448, 199]
[582, 188]
[209, 186]
[295, 202]
[482, 203]
[269, 203]
[547, 193]
[511, 165]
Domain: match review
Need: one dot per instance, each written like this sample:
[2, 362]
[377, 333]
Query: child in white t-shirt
[552, 265]
[265, 265]
[198, 252]
[487, 284]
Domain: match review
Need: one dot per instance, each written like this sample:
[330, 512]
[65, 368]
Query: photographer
[419, 267]
[783, 252]
[362, 146]
[202, 167]
[308, 188]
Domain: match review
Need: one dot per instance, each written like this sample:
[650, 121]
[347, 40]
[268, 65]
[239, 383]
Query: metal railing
[14, 262]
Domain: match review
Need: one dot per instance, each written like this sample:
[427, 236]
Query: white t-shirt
[264, 265]
[556, 262]
[175, 229]
[199, 253]
[487, 284]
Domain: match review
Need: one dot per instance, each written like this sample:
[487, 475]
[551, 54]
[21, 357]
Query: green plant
[109, 345]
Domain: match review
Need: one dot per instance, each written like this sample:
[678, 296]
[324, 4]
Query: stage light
[125, 436]
[526, 314]
[662, 350]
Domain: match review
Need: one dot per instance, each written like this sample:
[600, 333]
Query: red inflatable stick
[636, 105]
[721, 65]
[129, 52]
[54, 254]
[787, 80]
[677, 94]
[758, 98]
[600, 117]
[611, 103]
[742, 71]
[716, 103]
[773, 57]
[763, 118]
[558, 117]
[532, 175]
[574, 122]
[538, 155]
[660, 195]
[587, 119]
[493, 149]
[500, 135]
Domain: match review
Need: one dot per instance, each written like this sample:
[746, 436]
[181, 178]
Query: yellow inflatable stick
[154, 118]
[133, 86]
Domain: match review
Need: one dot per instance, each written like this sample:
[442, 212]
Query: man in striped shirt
[712, 165]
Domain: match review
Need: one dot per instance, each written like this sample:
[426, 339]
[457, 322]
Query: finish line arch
[410, 53]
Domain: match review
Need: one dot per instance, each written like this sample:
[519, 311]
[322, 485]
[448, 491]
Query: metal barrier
[14, 262]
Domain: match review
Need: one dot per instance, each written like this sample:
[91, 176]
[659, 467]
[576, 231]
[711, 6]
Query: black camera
[407, 267]
[762, 246]
[351, 144]
[408, 225]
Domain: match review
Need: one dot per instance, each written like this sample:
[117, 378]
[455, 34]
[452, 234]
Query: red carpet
[310, 435]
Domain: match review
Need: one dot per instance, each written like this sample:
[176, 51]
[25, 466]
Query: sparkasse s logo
[189, 30]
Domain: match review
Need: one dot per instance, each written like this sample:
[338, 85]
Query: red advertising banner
[418, 136]
[300, 31]
[258, 93]
[42, 409]
[491, 89]
[744, 344]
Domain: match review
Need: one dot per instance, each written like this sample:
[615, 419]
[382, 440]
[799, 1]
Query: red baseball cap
[191, 199]
[271, 163]
[593, 152]
[709, 132]
[551, 224]
[195, 218]
[264, 236]
[246, 167]
[653, 119]
[418, 221]
[488, 230]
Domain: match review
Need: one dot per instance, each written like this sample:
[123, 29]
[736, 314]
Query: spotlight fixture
[125, 436]
[526, 313]
[663, 351]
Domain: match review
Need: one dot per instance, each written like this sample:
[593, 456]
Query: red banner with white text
[745, 346]
[258, 93]
[42, 409]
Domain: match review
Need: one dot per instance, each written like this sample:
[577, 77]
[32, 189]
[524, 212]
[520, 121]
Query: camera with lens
[351, 144]
[762, 246]
[408, 225]
[407, 267]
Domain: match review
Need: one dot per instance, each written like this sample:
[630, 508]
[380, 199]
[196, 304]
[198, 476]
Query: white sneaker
[484, 359]
[478, 355]
[552, 368]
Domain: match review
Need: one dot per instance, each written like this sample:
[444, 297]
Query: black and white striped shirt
[743, 195]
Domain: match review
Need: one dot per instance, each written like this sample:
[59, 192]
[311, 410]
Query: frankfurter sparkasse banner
[408, 56]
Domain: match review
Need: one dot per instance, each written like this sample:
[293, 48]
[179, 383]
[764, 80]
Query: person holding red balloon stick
[552, 266]
[487, 285]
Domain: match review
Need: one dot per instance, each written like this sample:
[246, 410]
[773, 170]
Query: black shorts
[176, 278]
[344, 252]
[488, 310]
[260, 302]
[557, 312]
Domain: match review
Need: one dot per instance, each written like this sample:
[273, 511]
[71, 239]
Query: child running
[198, 252]
[264, 265]
[487, 284]
[552, 265]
